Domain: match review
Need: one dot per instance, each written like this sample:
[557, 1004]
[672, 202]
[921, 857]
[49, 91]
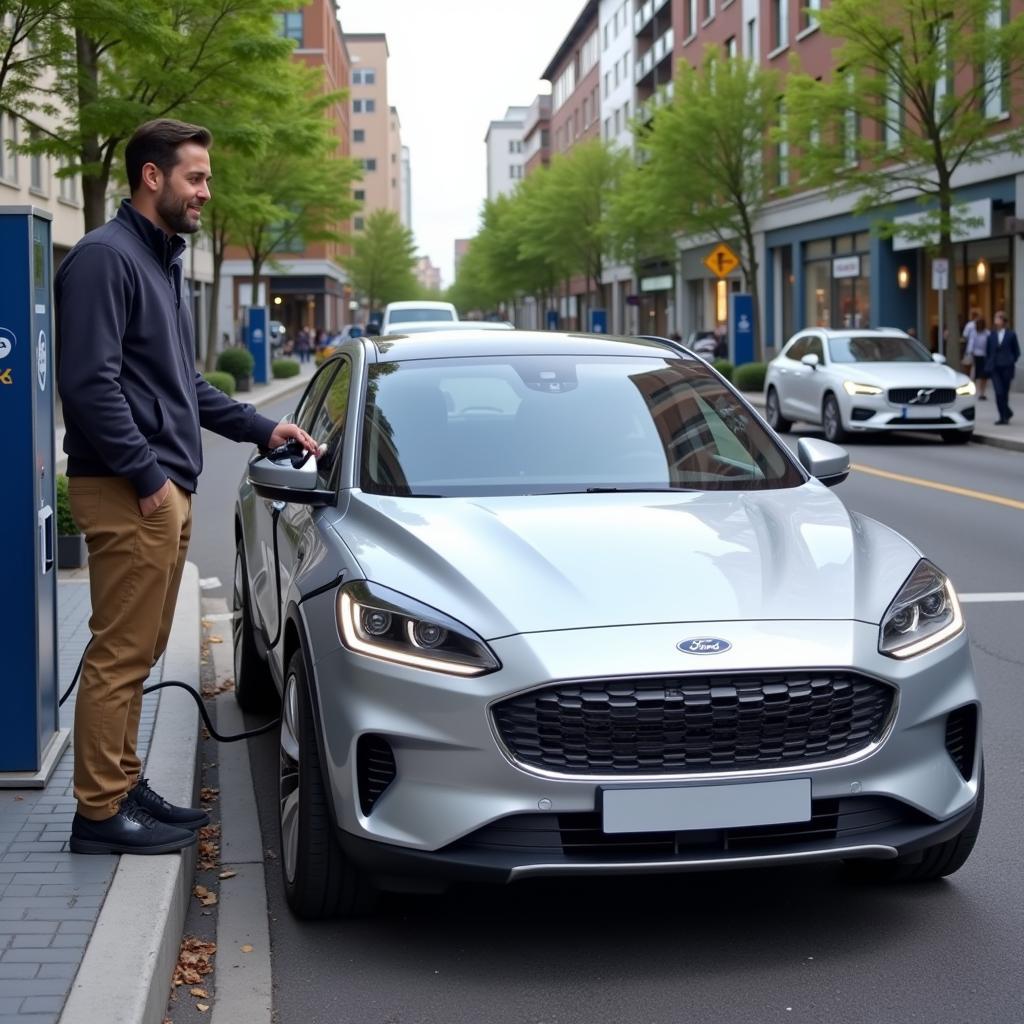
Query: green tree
[637, 228]
[922, 93]
[33, 38]
[147, 59]
[382, 260]
[709, 168]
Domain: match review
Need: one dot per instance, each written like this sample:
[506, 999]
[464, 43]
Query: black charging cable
[294, 451]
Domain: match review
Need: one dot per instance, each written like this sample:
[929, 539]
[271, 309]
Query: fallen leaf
[208, 793]
[199, 993]
[227, 874]
[246, 948]
[215, 639]
[202, 1007]
[193, 961]
[200, 891]
[209, 899]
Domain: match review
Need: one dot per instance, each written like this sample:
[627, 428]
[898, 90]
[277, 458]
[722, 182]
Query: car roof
[845, 332]
[418, 304]
[441, 344]
[421, 326]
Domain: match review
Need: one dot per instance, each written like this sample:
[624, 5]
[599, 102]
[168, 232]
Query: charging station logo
[41, 361]
[7, 342]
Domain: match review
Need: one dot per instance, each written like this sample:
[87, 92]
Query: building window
[838, 301]
[358, 223]
[290, 26]
[851, 128]
[359, 195]
[36, 168]
[997, 84]
[779, 12]
[67, 184]
[358, 135]
[618, 121]
[364, 106]
[942, 51]
[709, 9]
[808, 13]
[730, 47]
[607, 127]
[565, 85]
[590, 53]
[691, 18]
[607, 83]
[892, 129]
[8, 159]
[751, 39]
[782, 149]
[370, 164]
[364, 76]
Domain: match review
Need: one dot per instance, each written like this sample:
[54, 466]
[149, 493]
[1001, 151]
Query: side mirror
[938, 357]
[825, 461]
[289, 479]
[810, 360]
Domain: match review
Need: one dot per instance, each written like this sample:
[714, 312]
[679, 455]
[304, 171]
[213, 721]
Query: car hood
[901, 375]
[507, 565]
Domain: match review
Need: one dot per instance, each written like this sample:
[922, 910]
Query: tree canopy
[382, 260]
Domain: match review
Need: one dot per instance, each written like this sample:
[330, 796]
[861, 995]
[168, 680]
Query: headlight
[923, 614]
[381, 623]
[966, 389]
[852, 388]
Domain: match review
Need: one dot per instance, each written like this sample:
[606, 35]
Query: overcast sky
[457, 65]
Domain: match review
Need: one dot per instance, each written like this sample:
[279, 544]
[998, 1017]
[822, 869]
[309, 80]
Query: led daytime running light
[853, 388]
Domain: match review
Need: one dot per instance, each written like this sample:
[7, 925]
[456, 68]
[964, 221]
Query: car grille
[909, 396]
[579, 836]
[961, 736]
[693, 723]
[375, 769]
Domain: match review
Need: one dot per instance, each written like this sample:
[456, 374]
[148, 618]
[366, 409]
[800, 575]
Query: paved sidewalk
[93, 940]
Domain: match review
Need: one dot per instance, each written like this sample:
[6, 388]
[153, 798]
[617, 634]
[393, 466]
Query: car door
[259, 552]
[786, 368]
[812, 382]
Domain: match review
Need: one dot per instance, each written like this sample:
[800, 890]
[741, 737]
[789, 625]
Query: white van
[397, 314]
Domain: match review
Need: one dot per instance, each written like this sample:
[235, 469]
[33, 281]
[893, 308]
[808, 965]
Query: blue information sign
[552, 320]
[599, 321]
[257, 340]
[741, 327]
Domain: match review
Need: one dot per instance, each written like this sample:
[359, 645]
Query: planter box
[71, 551]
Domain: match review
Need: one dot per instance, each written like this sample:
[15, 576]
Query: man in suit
[1000, 359]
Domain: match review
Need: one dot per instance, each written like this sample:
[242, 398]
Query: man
[133, 406]
[1001, 357]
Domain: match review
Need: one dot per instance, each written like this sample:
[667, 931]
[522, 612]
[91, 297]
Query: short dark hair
[157, 142]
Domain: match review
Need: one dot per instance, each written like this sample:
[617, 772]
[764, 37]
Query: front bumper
[453, 779]
[876, 412]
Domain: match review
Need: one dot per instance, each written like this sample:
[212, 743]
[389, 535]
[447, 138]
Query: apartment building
[537, 135]
[308, 287]
[427, 274]
[505, 157]
[405, 183]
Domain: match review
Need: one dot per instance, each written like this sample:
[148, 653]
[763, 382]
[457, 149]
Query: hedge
[724, 367]
[749, 376]
[66, 525]
[236, 361]
[281, 368]
[221, 381]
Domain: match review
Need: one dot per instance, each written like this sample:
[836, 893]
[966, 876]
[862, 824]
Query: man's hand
[284, 432]
[149, 504]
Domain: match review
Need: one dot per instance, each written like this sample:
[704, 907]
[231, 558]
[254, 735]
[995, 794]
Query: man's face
[1000, 322]
[186, 190]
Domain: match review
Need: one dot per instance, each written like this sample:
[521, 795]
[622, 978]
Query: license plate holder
[657, 808]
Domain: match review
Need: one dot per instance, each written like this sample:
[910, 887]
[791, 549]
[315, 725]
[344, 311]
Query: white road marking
[990, 598]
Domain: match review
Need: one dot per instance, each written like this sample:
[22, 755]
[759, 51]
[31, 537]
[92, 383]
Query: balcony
[642, 18]
[661, 50]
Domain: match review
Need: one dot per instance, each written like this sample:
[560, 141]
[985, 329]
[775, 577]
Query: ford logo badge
[704, 645]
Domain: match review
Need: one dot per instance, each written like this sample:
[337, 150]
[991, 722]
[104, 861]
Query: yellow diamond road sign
[721, 261]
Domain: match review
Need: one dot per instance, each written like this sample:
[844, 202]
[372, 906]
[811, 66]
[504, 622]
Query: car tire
[254, 685]
[931, 863]
[773, 413]
[957, 436]
[832, 420]
[319, 880]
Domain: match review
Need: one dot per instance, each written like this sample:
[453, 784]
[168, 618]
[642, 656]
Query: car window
[877, 349]
[798, 349]
[815, 348]
[403, 316]
[329, 424]
[309, 404]
[542, 424]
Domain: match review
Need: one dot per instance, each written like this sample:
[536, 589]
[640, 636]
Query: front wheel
[319, 880]
[254, 685]
[832, 421]
[773, 413]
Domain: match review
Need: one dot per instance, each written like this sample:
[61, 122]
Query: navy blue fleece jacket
[133, 400]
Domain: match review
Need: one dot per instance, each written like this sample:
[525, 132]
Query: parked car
[867, 380]
[423, 326]
[399, 314]
[573, 609]
[278, 335]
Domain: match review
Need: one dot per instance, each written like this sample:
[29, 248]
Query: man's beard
[174, 212]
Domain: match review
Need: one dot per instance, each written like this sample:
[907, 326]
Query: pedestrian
[1000, 362]
[303, 344]
[133, 408]
[976, 352]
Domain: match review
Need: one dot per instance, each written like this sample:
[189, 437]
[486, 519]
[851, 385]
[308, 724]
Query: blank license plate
[682, 808]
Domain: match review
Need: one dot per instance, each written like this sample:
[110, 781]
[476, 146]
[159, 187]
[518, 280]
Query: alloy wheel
[288, 789]
[237, 615]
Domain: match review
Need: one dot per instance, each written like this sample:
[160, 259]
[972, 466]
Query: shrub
[749, 376]
[322, 354]
[236, 361]
[724, 367]
[66, 525]
[221, 381]
[281, 368]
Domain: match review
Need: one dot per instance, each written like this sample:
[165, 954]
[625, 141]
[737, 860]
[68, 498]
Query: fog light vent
[375, 768]
[962, 737]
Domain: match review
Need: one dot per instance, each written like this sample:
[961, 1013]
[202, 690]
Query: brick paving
[50, 898]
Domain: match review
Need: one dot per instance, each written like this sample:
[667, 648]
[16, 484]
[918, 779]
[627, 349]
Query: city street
[792, 945]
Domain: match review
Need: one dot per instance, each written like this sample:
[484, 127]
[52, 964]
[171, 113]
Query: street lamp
[903, 277]
[981, 270]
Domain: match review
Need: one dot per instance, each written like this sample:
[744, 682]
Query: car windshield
[406, 316]
[512, 425]
[877, 349]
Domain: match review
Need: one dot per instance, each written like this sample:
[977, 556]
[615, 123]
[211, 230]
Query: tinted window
[404, 316]
[542, 424]
[815, 348]
[329, 425]
[877, 349]
[310, 401]
[798, 349]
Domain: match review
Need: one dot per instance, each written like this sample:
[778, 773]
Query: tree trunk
[950, 345]
[212, 337]
[94, 181]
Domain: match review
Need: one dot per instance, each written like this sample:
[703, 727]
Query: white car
[870, 379]
[424, 326]
[399, 314]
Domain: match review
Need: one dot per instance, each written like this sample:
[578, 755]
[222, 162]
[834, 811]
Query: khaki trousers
[135, 567]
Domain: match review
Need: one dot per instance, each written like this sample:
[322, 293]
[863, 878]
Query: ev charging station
[31, 740]
[256, 329]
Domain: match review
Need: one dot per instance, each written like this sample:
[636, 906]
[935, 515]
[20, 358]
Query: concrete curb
[126, 971]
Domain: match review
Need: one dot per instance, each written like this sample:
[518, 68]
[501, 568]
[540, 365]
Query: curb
[139, 928]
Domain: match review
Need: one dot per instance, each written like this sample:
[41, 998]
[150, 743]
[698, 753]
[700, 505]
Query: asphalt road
[794, 945]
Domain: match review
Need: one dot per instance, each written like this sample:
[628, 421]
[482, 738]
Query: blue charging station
[598, 321]
[741, 327]
[31, 740]
[256, 327]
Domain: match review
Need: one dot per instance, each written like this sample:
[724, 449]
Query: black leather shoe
[131, 830]
[153, 803]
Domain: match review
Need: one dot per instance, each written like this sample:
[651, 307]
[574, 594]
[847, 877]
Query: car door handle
[300, 554]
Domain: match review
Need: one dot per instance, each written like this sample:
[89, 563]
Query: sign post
[940, 282]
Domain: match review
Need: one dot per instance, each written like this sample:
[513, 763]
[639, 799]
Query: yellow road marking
[964, 492]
